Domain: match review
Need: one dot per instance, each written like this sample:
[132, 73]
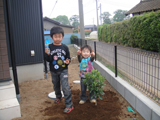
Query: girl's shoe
[82, 102]
[93, 101]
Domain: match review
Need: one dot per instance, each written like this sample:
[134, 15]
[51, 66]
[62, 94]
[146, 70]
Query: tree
[63, 19]
[74, 21]
[105, 16]
[119, 15]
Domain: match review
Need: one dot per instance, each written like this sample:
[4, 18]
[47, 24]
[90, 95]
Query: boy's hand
[67, 61]
[47, 51]
[92, 54]
[79, 52]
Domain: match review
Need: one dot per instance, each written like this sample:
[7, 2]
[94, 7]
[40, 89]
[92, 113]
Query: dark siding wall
[4, 65]
[26, 30]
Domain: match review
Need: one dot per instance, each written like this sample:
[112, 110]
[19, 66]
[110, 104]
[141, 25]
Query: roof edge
[56, 22]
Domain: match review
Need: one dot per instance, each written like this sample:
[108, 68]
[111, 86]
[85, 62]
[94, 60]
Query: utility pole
[97, 15]
[93, 24]
[100, 13]
[81, 19]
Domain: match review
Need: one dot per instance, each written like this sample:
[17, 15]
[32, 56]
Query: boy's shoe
[68, 110]
[82, 102]
[57, 100]
[93, 101]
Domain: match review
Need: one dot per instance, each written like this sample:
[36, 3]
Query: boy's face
[85, 53]
[57, 38]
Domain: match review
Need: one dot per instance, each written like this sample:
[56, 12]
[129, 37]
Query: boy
[58, 57]
[85, 58]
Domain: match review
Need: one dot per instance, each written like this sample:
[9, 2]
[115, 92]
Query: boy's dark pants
[83, 92]
[62, 78]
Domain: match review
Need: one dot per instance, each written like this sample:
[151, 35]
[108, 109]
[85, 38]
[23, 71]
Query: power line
[87, 3]
[90, 11]
[53, 8]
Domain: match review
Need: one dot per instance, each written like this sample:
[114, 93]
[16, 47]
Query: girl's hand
[79, 52]
[47, 51]
[67, 61]
[92, 54]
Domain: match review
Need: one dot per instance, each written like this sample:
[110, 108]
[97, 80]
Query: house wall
[29, 72]
[9, 106]
[66, 39]
[48, 25]
[67, 30]
[25, 28]
[24, 23]
[4, 64]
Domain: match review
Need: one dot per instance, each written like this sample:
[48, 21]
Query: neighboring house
[90, 28]
[144, 6]
[49, 23]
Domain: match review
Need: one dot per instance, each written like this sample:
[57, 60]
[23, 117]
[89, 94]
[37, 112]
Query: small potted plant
[94, 82]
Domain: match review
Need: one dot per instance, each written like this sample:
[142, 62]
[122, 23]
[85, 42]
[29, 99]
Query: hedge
[72, 38]
[141, 31]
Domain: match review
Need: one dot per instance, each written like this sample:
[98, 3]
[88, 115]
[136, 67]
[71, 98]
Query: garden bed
[35, 104]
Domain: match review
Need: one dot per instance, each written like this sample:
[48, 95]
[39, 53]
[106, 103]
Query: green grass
[90, 39]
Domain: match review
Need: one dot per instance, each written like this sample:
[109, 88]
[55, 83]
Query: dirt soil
[35, 104]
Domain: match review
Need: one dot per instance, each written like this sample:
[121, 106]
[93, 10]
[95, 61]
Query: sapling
[94, 81]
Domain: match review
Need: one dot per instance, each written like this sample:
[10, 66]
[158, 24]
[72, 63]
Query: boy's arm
[47, 56]
[68, 58]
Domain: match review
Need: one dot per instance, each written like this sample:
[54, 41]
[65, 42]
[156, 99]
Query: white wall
[29, 72]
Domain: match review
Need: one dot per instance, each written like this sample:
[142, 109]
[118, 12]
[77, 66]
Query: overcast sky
[70, 7]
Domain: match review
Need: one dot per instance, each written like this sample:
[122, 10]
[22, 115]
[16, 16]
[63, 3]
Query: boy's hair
[55, 30]
[88, 47]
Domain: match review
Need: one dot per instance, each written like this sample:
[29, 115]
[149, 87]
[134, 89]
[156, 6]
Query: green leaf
[102, 93]
[100, 97]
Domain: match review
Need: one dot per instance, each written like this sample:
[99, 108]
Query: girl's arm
[79, 58]
[79, 55]
[92, 56]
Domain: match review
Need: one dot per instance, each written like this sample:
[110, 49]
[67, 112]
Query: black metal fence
[138, 67]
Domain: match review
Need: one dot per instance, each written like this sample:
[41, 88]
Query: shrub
[94, 82]
[75, 31]
[139, 31]
[72, 38]
[87, 32]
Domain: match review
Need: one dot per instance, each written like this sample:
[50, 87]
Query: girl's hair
[86, 46]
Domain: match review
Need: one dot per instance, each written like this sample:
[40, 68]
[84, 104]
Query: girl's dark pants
[83, 92]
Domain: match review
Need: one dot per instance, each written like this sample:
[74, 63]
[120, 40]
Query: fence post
[81, 42]
[95, 49]
[77, 42]
[74, 41]
[115, 49]
[85, 42]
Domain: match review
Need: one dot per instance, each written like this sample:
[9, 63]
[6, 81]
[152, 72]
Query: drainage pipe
[45, 63]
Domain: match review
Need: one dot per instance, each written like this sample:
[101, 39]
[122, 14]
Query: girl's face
[85, 53]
